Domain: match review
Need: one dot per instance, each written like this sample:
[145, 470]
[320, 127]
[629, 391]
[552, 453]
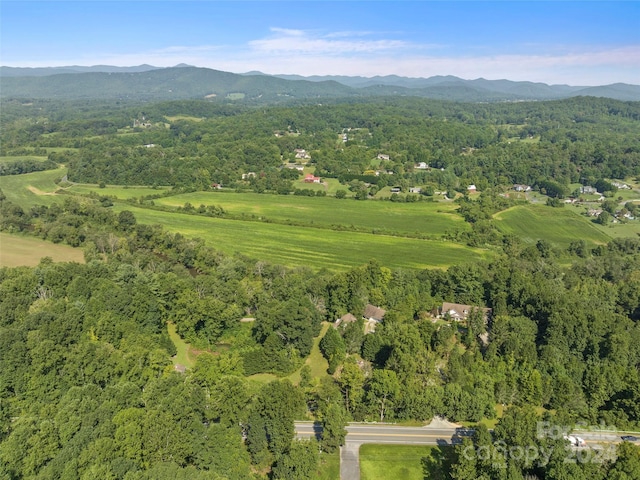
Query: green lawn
[406, 462]
[329, 466]
[18, 250]
[313, 247]
[315, 360]
[182, 357]
[426, 218]
[560, 226]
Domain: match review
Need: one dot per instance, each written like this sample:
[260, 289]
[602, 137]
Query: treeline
[18, 167]
[88, 386]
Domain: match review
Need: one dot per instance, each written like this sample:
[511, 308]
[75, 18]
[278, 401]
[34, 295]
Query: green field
[560, 226]
[4, 159]
[406, 462]
[32, 188]
[305, 246]
[17, 250]
[425, 218]
[117, 191]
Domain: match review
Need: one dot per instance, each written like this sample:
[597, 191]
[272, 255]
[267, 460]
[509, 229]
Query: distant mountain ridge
[146, 82]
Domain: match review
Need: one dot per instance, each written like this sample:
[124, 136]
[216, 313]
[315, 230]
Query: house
[621, 185]
[343, 320]
[373, 316]
[588, 190]
[216, 186]
[415, 190]
[295, 166]
[459, 312]
[594, 212]
[302, 153]
[421, 166]
[382, 156]
[395, 189]
[471, 189]
[373, 313]
[246, 176]
[521, 188]
[310, 178]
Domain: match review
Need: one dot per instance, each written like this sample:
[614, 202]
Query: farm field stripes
[312, 247]
[560, 226]
[427, 218]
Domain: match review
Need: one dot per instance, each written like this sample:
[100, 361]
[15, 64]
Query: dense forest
[88, 384]
[88, 388]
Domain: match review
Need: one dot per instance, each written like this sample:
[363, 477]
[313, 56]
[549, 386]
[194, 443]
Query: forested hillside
[186, 82]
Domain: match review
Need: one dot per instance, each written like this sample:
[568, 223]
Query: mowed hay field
[31, 189]
[560, 226]
[307, 246]
[424, 218]
[18, 251]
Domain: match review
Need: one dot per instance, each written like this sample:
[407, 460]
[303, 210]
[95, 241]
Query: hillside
[167, 84]
[147, 83]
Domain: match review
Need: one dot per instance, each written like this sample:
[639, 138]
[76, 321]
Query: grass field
[21, 158]
[560, 226]
[117, 191]
[406, 462]
[17, 250]
[428, 218]
[312, 247]
[32, 188]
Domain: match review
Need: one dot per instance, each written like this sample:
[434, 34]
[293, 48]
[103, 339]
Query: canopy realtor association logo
[575, 448]
[599, 450]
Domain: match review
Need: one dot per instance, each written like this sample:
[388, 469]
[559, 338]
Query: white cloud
[289, 42]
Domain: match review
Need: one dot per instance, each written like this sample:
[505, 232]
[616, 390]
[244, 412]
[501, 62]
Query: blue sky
[578, 43]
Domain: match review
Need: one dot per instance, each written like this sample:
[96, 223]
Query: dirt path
[37, 191]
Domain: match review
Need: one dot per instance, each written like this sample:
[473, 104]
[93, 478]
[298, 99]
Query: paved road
[358, 434]
[374, 433]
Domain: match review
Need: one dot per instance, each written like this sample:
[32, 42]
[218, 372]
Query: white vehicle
[575, 441]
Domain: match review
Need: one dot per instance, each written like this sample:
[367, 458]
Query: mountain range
[146, 82]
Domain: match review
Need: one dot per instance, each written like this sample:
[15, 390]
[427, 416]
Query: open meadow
[22, 158]
[308, 246]
[560, 226]
[31, 189]
[118, 191]
[423, 218]
[20, 250]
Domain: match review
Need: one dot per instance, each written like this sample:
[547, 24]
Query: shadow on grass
[436, 465]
